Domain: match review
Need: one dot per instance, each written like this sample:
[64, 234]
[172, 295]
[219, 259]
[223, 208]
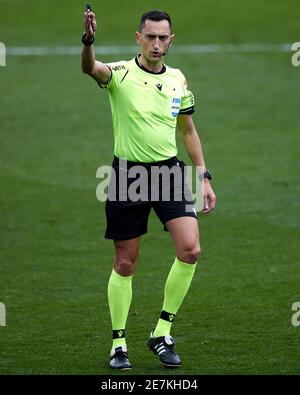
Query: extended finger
[93, 20]
[85, 16]
[88, 23]
[94, 24]
[90, 14]
[212, 202]
[211, 206]
[205, 204]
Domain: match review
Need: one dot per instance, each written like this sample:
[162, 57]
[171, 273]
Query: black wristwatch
[207, 175]
[87, 42]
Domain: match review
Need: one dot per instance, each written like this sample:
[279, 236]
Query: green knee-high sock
[119, 293]
[177, 285]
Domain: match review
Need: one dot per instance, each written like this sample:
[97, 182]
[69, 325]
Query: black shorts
[136, 188]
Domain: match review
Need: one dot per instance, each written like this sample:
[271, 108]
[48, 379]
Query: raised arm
[89, 65]
[193, 147]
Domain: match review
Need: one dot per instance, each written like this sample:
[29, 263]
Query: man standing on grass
[148, 100]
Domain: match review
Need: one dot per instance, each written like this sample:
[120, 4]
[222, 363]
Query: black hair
[154, 16]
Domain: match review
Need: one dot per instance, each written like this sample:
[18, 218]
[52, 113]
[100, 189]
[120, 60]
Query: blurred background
[56, 130]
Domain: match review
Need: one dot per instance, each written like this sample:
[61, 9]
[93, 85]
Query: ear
[172, 39]
[138, 37]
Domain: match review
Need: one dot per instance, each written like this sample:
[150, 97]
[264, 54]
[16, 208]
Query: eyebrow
[157, 35]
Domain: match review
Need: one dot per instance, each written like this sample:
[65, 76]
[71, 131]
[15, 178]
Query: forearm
[193, 147]
[191, 140]
[89, 64]
[88, 59]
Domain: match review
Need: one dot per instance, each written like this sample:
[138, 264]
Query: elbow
[85, 70]
[186, 132]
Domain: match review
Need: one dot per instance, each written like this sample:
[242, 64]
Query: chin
[155, 59]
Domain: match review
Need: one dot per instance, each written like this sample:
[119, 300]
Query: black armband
[87, 42]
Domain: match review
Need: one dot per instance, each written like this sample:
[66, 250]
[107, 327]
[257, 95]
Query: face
[154, 40]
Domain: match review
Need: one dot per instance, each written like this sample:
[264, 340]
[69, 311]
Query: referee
[148, 101]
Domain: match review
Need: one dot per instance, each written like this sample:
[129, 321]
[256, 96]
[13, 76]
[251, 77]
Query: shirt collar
[137, 61]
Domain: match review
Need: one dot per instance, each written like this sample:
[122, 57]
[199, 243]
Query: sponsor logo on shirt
[175, 106]
[118, 68]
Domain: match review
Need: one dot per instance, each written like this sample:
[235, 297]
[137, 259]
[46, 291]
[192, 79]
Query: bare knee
[126, 254]
[124, 266]
[189, 253]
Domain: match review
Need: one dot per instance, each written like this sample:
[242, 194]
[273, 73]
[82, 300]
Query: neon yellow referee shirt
[144, 109]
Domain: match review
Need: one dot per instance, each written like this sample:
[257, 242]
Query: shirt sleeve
[187, 105]
[118, 71]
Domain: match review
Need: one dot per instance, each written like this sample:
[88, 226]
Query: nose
[156, 43]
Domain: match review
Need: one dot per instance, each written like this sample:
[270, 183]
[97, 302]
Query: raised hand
[90, 23]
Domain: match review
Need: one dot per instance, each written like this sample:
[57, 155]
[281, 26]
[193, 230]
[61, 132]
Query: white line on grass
[132, 49]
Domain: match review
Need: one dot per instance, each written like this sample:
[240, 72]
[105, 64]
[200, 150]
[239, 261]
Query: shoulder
[118, 69]
[177, 74]
[174, 72]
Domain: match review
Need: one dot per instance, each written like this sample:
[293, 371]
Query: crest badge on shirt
[175, 106]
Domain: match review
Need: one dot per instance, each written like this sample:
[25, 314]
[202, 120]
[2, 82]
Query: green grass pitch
[55, 131]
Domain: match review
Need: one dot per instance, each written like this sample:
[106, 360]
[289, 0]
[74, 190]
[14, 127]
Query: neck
[155, 67]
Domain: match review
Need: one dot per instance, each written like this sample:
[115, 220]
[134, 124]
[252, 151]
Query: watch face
[207, 175]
